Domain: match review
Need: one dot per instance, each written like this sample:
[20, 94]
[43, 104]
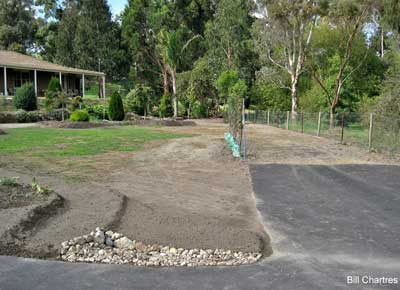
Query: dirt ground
[273, 145]
[186, 192]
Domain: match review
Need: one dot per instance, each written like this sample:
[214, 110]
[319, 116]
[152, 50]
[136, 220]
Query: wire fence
[369, 131]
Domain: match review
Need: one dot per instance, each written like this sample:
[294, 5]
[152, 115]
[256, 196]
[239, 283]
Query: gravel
[113, 248]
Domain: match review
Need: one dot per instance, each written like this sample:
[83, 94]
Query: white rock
[99, 237]
[109, 242]
[123, 243]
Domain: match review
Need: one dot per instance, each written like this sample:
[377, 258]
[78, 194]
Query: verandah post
[83, 85]
[35, 82]
[5, 82]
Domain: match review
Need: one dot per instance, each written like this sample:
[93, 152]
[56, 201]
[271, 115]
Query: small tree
[52, 92]
[62, 100]
[25, 98]
[231, 87]
[138, 100]
[116, 108]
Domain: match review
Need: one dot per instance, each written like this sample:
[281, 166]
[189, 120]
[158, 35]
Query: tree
[66, 53]
[228, 39]
[233, 88]
[46, 39]
[17, 25]
[142, 20]
[283, 35]
[171, 46]
[348, 18]
[116, 107]
[96, 37]
[201, 85]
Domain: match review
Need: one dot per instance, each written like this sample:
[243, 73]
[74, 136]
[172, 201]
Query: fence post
[371, 127]
[243, 137]
[342, 125]
[302, 122]
[268, 118]
[319, 124]
[287, 119]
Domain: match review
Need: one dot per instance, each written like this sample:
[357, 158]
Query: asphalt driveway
[326, 223]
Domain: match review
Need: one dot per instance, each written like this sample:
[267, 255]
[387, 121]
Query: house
[17, 69]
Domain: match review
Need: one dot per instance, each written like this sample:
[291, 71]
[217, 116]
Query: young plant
[9, 181]
[41, 190]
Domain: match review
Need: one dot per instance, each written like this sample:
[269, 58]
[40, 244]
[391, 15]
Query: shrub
[99, 112]
[25, 98]
[7, 117]
[181, 109]
[28, 117]
[77, 102]
[165, 108]
[198, 110]
[9, 181]
[80, 116]
[116, 108]
[139, 100]
[56, 115]
[51, 95]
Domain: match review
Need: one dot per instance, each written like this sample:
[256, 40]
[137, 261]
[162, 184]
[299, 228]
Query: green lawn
[40, 142]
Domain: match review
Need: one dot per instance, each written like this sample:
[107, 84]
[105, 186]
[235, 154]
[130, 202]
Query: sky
[117, 5]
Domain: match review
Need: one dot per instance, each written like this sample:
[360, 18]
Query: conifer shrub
[116, 108]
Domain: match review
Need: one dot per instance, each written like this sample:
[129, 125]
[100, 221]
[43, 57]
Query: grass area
[41, 142]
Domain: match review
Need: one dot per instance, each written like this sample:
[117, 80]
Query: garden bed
[22, 209]
[102, 124]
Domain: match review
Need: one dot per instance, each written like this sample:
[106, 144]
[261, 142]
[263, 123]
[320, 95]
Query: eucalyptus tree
[283, 34]
[348, 18]
[228, 38]
[17, 25]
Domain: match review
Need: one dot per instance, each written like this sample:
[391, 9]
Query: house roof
[17, 60]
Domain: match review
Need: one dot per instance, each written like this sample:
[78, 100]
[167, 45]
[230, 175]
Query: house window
[22, 77]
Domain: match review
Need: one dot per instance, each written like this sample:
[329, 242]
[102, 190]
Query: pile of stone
[113, 248]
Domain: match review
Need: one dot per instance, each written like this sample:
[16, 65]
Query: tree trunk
[332, 118]
[165, 79]
[174, 96]
[62, 113]
[382, 42]
[295, 96]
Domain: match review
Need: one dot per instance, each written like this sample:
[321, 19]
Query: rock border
[109, 247]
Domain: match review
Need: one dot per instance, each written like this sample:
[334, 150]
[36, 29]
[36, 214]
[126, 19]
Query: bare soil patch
[185, 193]
[22, 212]
[12, 196]
[273, 145]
